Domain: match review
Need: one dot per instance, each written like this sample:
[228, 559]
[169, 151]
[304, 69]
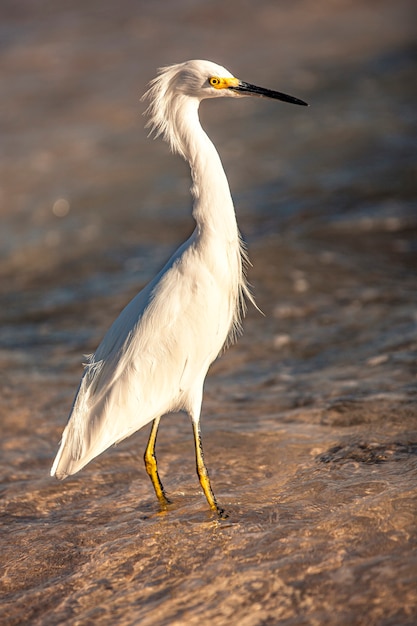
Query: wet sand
[310, 421]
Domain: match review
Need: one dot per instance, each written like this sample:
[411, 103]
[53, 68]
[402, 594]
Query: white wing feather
[148, 363]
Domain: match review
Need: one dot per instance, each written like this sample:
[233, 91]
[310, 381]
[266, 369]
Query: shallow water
[309, 422]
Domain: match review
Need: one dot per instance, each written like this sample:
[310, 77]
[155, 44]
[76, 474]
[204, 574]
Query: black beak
[252, 90]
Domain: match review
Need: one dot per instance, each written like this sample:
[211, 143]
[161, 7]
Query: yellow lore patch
[223, 83]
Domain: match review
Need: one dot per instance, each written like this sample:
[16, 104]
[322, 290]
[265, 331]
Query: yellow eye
[214, 82]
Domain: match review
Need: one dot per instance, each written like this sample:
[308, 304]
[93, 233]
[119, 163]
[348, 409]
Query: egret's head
[186, 84]
[204, 79]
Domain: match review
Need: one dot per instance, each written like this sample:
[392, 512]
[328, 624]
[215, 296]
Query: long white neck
[213, 208]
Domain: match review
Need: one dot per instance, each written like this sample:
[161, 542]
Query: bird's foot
[221, 513]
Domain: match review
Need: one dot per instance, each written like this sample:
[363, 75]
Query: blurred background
[80, 178]
[316, 399]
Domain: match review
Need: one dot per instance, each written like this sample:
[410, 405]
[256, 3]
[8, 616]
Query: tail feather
[103, 414]
[68, 461]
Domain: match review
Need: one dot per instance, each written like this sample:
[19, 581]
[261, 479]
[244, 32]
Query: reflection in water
[310, 421]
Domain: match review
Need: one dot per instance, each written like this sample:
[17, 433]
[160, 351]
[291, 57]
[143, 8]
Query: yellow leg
[151, 464]
[203, 473]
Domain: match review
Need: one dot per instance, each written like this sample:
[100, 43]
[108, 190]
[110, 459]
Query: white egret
[154, 358]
